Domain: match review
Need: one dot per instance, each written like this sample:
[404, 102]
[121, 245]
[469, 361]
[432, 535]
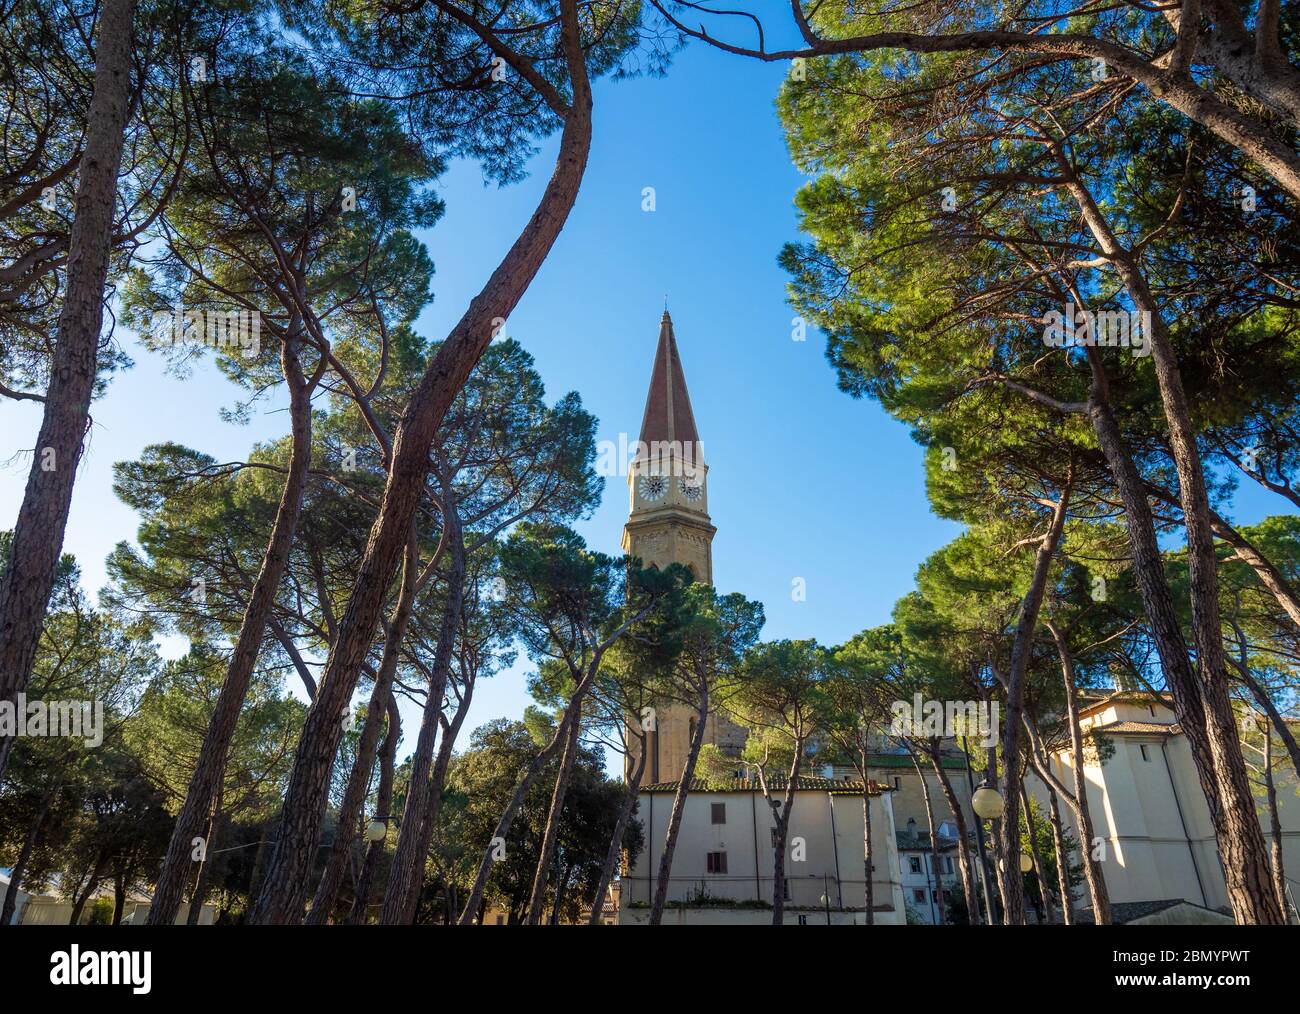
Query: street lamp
[377, 829]
[987, 803]
[826, 898]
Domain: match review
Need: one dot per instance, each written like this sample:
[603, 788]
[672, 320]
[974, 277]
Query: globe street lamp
[987, 803]
[377, 829]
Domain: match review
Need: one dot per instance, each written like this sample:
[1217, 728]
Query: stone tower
[668, 522]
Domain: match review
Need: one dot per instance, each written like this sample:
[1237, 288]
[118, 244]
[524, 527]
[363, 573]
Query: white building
[1156, 842]
[723, 863]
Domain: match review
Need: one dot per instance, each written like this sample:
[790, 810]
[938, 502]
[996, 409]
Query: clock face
[692, 491]
[653, 487]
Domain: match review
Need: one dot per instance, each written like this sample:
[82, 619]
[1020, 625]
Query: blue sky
[804, 481]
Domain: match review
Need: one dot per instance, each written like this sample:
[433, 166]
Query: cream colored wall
[1142, 816]
[749, 872]
[909, 801]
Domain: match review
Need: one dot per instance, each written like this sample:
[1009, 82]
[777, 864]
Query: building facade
[1153, 833]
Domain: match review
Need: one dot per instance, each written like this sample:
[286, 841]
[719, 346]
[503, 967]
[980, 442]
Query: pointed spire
[668, 415]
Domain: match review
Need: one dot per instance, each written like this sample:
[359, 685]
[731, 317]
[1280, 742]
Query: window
[918, 896]
[1145, 756]
[914, 863]
[719, 813]
[947, 864]
[898, 782]
[803, 920]
[785, 884]
[717, 862]
[501, 920]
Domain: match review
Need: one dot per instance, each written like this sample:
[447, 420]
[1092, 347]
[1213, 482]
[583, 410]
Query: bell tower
[668, 494]
[668, 522]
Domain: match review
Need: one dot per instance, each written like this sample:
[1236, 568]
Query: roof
[777, 783]
[919, 841]
[1131, 911]
[668, 415]
[1134, 696]
[1138, 729]
[902, 760]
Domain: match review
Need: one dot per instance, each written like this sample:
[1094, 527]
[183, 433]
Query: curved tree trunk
[1240, 838]
[1098, 893]
[616, 839]
[782, 813]
[679, 810]
[354, 796]
[551, 833]
[963, 850]
[407, 873]
[26, 582]
[526, 779]
[308, 789]
[937, 898]
[210, 768]
[1062, 859]
[1021, 649]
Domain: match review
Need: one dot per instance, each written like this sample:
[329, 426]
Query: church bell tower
[668, 522]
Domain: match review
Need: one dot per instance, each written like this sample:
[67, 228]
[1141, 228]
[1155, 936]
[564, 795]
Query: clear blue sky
[804, 481]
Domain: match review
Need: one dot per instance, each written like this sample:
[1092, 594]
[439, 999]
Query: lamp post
[377, 829]
[994, 804]
[826, 897]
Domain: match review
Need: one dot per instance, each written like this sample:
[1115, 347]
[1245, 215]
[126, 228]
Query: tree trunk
[963, 849]
[1279, 723]
[1049, 910]
[24, 856]
[937, 898]
[782, 814]
[551, 833]
[1021, 650]
[679, 809]
[210, 768]
[616, 839]
[119, 899]
[1240, 842]
[384, 802]
[1240, 838]
[526, 779]
[1274, 824]
[354, 796]
[96, 877]
[37, 542]
[308, 789]
[869, 892]
[407, 873]
[1062, 859]
[1098, 893]
[204, 878]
